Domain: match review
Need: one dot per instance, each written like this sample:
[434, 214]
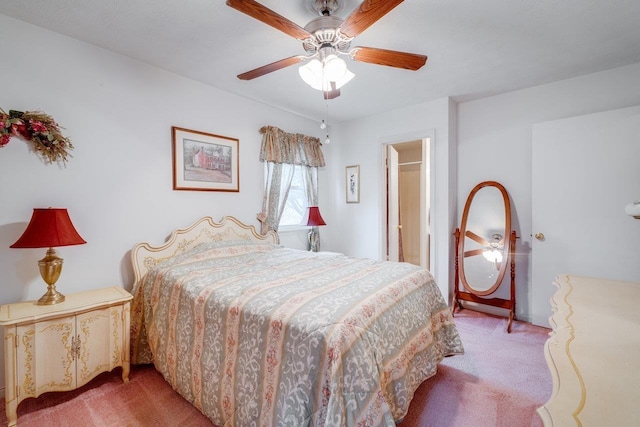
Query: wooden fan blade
[333, 93]
[365, 15]
[474, 236]
[473, 252]
[269, 68]
[390, 58]
[269, 17]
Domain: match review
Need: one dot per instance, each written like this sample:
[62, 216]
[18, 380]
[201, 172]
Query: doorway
[408, 202]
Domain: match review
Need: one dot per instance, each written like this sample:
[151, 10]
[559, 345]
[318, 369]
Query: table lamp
[49, 228]
[313, 219]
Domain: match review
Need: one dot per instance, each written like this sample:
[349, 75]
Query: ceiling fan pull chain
[327, 140]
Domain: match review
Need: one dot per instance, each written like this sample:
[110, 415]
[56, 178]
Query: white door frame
[392, 188]
[428, 167]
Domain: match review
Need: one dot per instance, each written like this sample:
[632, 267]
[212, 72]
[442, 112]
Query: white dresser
[593, 354]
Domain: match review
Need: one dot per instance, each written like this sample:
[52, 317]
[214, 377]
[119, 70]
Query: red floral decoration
[38, 128]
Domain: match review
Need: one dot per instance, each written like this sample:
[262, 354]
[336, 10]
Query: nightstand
[63, 346]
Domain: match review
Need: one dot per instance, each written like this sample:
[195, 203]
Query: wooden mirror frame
[470, 293]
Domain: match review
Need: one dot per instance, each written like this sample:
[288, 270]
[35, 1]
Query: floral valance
[279, 146]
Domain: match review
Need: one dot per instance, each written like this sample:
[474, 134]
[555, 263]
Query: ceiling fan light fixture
[346, 78]
[492, 255]
[313, 74]
[334, 68]
[493, 251]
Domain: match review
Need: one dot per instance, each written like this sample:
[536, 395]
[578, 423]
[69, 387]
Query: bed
[253, 333]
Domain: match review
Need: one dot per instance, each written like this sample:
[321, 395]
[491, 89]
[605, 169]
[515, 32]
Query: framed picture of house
[204, 161]
[353, 184]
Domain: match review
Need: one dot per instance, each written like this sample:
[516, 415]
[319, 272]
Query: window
[296, 200]
[291, 177]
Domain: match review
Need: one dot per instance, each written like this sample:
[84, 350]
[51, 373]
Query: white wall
[359, 228]
[494, 143]
[117, 187]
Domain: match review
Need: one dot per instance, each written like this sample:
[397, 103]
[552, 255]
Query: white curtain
[276, 190]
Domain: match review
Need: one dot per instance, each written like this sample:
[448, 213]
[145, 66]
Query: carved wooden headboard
[144, 256]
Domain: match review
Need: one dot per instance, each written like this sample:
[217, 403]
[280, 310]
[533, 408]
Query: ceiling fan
[491, 250]
[328, 37]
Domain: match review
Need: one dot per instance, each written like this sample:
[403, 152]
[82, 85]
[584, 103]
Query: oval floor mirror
[485, 245]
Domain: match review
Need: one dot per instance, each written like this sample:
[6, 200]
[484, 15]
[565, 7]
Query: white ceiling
[475, 48]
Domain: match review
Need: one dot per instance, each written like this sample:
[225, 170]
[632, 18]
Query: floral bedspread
[261, 335]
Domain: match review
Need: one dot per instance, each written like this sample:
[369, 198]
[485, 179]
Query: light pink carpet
[500, 381]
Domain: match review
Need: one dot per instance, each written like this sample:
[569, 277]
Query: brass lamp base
[50, 269]
[52, 296]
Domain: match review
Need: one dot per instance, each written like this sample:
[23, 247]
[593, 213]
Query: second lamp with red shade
[313, 219]
[49, 228]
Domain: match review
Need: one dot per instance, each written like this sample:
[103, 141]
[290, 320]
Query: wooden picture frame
[204, 161]
[352, 182]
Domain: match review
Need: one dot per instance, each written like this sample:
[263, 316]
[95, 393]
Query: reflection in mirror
[482, 266]
[483, 234]
[484, 248]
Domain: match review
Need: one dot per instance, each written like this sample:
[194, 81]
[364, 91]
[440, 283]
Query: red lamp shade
[49, 228]
[313, 217]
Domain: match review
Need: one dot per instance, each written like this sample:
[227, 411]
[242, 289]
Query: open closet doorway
[408, 198]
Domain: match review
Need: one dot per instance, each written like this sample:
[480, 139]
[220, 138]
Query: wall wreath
[38, 128]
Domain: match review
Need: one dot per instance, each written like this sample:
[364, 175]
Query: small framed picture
[353, 184]
[204, 162]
